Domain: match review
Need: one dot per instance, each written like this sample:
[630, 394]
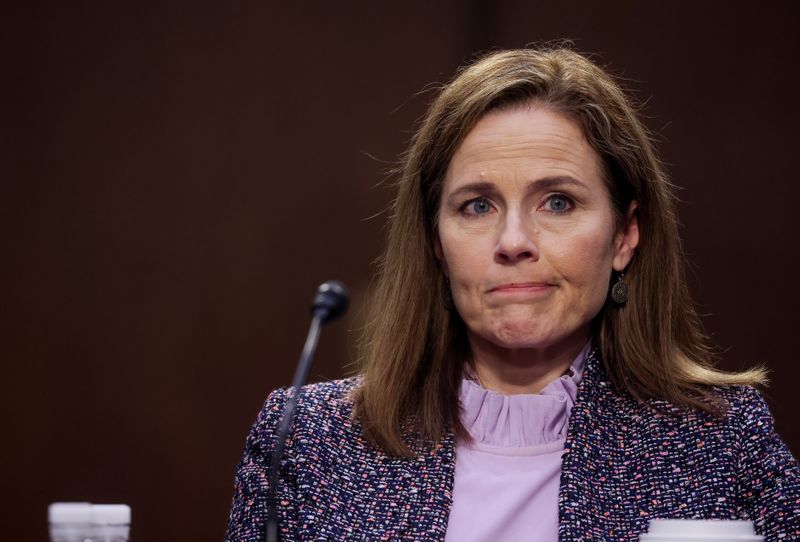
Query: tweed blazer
[624, 462]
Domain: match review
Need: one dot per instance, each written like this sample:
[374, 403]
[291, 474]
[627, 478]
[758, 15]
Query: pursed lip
[521, 287]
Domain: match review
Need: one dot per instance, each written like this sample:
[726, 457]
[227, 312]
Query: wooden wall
[177, 179]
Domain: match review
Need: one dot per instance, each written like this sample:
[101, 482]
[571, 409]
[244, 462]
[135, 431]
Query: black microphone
[330, 302]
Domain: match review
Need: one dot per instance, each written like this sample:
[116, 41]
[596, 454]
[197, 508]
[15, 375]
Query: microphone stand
[300, 377]
[330, 301]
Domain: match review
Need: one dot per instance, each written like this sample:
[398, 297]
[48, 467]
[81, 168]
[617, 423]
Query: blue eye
[558, 203]
[478, 206]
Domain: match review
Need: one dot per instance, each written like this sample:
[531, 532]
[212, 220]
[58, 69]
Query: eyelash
[465, 207]
[569, 200]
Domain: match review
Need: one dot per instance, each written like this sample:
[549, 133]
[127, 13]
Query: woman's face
[527, 235]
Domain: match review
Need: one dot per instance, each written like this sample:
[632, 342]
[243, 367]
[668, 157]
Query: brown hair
[413, 349]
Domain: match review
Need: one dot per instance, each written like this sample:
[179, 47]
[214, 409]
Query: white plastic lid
[110, 514]
[700, 530]
[69, 512]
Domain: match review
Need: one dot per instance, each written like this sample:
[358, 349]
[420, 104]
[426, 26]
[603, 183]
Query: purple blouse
[507, 480]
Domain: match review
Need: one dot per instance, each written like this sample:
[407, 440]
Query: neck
[522, 370]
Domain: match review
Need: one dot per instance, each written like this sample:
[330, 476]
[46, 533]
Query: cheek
[467, 261]
[462, 260]
[583, 254]
[585, 257]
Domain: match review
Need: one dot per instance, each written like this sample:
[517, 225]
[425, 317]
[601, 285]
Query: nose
[515, 242]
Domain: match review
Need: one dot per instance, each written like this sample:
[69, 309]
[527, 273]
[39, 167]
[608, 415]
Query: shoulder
[748, 414]
[331, 390]
[321, 407]
[612, 422]
[318, 393]
[742, 404]
[603, 408]
[331, 397]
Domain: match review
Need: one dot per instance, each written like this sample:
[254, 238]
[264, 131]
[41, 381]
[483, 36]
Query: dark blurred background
[177, 179]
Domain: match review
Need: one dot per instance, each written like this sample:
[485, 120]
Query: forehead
[530, 139]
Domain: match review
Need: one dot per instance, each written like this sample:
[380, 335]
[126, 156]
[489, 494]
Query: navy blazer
[624, 463]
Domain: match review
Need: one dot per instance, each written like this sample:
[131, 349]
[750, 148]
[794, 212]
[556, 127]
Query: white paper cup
[700, 530]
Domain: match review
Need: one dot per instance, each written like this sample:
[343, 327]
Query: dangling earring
[447, 295]
[619, 292]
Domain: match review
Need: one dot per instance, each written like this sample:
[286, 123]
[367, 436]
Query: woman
[534, 367]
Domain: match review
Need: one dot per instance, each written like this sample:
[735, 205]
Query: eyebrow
[545, 183]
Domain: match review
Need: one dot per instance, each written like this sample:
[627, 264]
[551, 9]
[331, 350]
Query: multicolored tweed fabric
[624, 463]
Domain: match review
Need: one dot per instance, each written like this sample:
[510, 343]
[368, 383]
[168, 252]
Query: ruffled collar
[524, 420]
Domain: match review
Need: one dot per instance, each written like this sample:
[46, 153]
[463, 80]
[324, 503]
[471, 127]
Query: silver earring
[619, 292]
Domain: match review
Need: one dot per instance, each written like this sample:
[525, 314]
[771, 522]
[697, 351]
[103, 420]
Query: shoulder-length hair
[413, 348]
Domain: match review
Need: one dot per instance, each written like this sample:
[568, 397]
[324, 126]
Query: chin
[519, 335]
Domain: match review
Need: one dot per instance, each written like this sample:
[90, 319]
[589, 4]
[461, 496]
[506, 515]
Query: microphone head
[330, 301]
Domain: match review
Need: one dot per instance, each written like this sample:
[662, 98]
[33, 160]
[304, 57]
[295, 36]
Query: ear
[437, 249]
[626, 239]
